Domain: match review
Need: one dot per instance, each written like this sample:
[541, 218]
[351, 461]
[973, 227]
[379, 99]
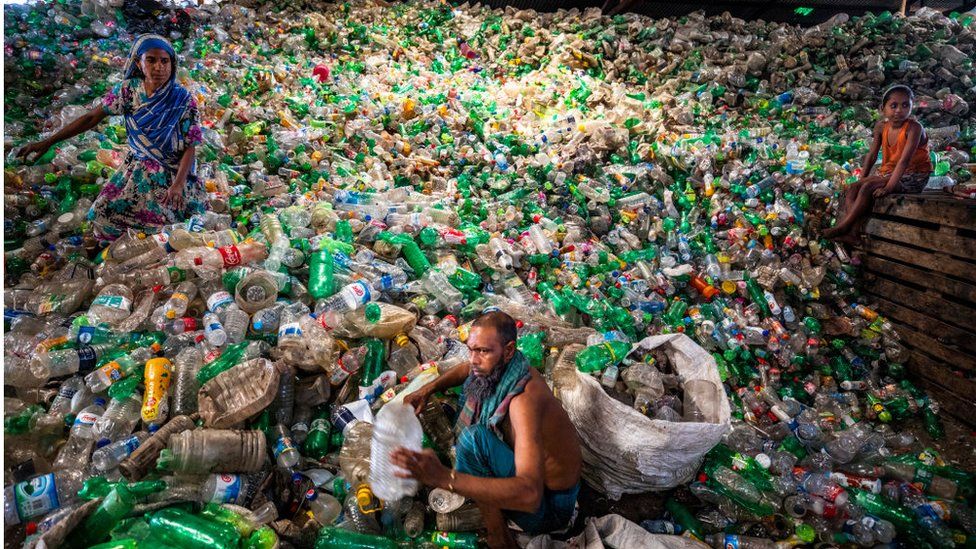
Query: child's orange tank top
[890, 154]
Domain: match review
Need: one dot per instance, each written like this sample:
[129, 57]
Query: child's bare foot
[834, 233]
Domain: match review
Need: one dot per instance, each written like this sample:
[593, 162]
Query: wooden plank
[927, 259]
[953, 288]
[953, 356]
[940, 331]
[929, 303]
[940, 373]
[959, 406]
[944, 240]
[941, 210]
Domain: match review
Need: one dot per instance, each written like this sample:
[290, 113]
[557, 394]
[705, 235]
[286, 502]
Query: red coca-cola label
[231, 255]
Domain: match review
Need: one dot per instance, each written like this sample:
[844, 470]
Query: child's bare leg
[860, 208]
[850, 198]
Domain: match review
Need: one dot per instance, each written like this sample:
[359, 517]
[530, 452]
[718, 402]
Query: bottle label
[321, 425]
[161, 238]
[51, 303]
[35, 497]
[112, 370]
[284, 444]
[67, 391]
[731, 541]
[113, 301]
[213, 326]
[86, 358]
[231, 255]
[218, 300]
[86, 418]
[360, 292]
[289, 330]
[131, 444]
[228, 487]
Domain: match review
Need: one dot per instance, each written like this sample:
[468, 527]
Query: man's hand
[37, 148]
[417, 399]
[174, 196]
[423, 466]
[884, 191]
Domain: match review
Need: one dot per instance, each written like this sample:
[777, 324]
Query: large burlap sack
[624, 451]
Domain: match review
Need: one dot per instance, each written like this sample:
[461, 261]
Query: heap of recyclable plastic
[381, 175]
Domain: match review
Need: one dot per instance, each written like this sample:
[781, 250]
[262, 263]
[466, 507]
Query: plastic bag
[615, 531]
[625, 452]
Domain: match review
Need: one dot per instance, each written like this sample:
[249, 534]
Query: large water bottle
[396, 425]
[39, 495]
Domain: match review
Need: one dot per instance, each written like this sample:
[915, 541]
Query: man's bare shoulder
[535, 394]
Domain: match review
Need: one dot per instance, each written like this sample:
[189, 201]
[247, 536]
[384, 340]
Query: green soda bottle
[556, 300]
[598, 357]
[319, 435]
[683, 516]
[450, 540]
[337, 538]
[321, 283]
[179, 528]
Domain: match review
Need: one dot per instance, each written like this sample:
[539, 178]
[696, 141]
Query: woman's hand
[174, 196]
[423, 466]
[37, 147]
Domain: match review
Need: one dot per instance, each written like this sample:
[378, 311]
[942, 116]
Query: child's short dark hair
[897, 88]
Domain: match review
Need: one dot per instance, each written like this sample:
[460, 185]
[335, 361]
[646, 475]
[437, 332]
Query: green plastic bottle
[683, 516]
[598, 357]
[182, 529]
[319, 436]
[117, 504]
[337, 538]
[321, 282]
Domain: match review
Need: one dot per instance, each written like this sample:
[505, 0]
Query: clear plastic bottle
[45, 366]
[396, 426]
[177, 304]
[324, 507]
[214, 330]
[103, 378]
[108, 457]
[349, 298]
[77, 450]
[185, 384]
[41, 494]
[283, 407]
[284, 450]
[112, 305]
[236, 322]
[120, 417]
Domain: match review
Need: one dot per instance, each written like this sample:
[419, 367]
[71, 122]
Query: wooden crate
[919, 260]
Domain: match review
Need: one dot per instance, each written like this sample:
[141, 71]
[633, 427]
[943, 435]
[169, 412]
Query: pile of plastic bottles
[378, 177]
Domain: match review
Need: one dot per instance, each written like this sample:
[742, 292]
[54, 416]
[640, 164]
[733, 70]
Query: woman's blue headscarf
[153, 129]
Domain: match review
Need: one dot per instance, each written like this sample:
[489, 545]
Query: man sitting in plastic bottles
[518, 454]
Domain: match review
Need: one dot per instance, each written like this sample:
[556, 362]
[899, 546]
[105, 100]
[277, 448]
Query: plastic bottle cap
[100, 401]
[763, 460]
[103, 442]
